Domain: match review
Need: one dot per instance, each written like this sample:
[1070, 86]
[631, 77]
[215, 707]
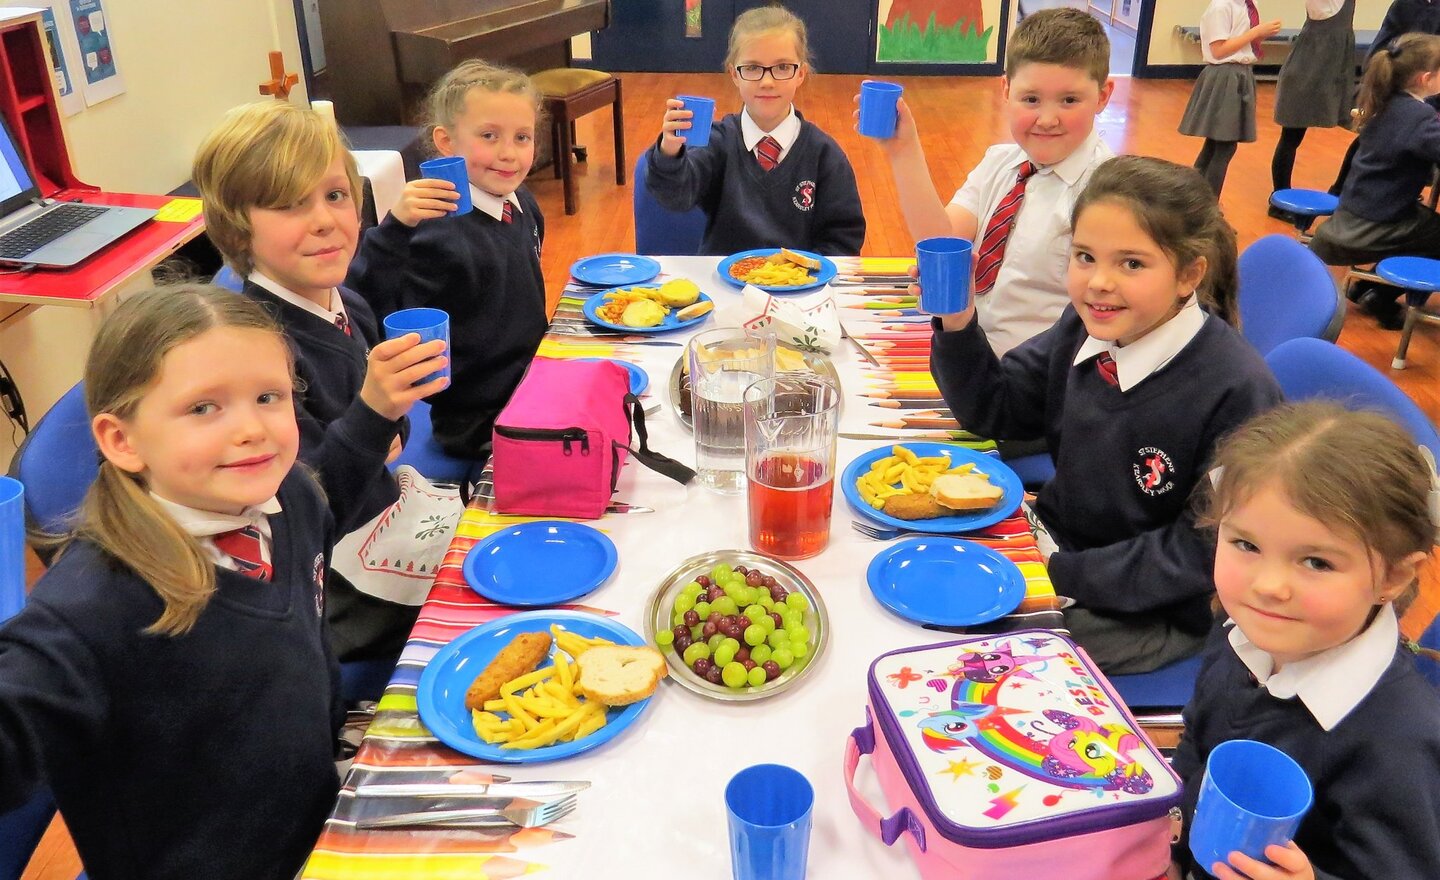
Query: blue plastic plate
[614, 270]
[639, 379]
[441, 694]
[945, 581]
[545, 562]
[999, 473]
[670, 323]
[825, 275]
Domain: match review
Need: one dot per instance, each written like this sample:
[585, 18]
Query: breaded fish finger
[910, 507]
[522, 655]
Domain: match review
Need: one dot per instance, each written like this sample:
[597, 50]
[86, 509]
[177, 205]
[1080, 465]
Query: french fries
[545, 706]
[616, 302]
[778, 274]
[903, 473]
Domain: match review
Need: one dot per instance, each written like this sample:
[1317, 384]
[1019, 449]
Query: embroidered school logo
[535, 240]
[317, 576]
[804, 197]
[1152, 471]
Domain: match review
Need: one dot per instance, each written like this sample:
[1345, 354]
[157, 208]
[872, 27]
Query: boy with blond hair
[1015, 205]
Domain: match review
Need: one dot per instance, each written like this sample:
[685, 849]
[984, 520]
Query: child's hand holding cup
[944, 276]
[687, 123]
[412, 363]
[1252, 798]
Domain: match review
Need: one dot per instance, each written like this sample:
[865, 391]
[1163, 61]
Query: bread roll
[966, 491]
[617, 675]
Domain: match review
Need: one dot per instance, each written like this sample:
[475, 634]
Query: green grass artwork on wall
[907, 41]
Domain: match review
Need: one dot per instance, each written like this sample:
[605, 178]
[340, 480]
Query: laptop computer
[42, 232]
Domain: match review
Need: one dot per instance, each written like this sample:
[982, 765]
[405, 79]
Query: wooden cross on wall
[280, 82]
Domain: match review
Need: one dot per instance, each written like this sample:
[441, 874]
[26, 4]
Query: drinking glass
[790, 429]
[768, 807]
[723, 363]
[12, 547]
[1252, 795]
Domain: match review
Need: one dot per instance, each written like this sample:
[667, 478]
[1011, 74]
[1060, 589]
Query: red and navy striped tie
[243, 546]
[1105, 365]
[767, 153]
[992, 244]
[343, 323]
[507, 212]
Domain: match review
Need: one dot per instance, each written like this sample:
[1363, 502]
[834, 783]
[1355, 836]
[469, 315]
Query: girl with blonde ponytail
[1380, 213]
[171, 678]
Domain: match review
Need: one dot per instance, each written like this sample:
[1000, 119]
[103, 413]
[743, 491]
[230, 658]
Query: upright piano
[383, 55]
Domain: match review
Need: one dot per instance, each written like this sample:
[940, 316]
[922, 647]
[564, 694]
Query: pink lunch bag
[1010, 756]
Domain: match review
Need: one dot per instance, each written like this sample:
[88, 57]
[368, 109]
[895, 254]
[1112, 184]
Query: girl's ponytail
[1392, 69]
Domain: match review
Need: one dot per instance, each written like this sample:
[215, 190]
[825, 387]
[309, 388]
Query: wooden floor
[958, 119]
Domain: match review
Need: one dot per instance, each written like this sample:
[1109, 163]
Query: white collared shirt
[1319, 10]
[1225, 20]
[1029, 292]
[204, 525]
[1134, 363]
[785, 133]
[492, 204]
[330, 315]
[1333, 682]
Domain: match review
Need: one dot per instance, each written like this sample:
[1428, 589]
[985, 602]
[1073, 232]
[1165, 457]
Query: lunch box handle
[862, 742]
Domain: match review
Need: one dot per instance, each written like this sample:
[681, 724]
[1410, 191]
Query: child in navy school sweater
[1131, 390]
[768, 178]
[483, 268]
[170, 679]
[282, 203]
[1323, 517]
[1380, 214]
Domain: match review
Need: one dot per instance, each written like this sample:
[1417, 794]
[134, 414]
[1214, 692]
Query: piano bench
[569, 93]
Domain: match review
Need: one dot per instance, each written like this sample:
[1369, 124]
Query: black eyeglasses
[756, 72]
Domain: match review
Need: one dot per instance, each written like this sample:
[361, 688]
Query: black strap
[656, 462]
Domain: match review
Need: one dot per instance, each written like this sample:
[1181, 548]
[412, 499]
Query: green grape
[768, 622]
[799, 634]
[691, 589]
[734, 675]
[677, 619]
[684, 603]
[714, 641]
[777, 639]
[703, 609]
[755, 634]
[695, 652]
[734, 593]
[725, 651]
[792, 618]
[755, 612]
[756, 676]
[725, 605]
[783, 657]
[720, 572]
[697, 633]
[752, 596]
[797, 601]
[665, 637]
[766, 602]
[760, 653]
[800, 649]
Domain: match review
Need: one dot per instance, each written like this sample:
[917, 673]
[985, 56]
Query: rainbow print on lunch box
[1014, 741]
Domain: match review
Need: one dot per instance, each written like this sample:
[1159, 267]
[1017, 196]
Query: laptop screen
[17, 187]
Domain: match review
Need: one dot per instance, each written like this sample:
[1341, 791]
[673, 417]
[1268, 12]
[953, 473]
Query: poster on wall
[937, 31]
[693, 30]
[97, 53]
[64, 51]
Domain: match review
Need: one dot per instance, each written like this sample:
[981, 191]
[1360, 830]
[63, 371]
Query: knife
[501, 793]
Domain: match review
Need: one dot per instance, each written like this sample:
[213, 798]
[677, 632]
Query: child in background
[282, 203]
[1057, 69]
[1222, 104]
[768, 177]
[170, 678]
[1131, 390]
[483, 268]
[1323, 517]
[1380, 214]
[1316, 83]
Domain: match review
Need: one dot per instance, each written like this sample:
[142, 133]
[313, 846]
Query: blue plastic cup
[698, 134]
[1252, 795]
[877, 108]
[12, 547]
[769, 808]
[430, 324]
[451, 168]
[944, 264]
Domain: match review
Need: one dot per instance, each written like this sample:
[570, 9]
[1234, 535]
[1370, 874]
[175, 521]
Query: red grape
[709, 629]
[712, 674]
[754, 579]
[703, 665]
[748, 664]
[772, 669]
[703, 580]
[691, 618]
[743, 655]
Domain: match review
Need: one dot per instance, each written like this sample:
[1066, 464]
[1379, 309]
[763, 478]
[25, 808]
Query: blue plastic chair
[1418, 277]
[57, 462]
[1035, 470]
[1165, 690]
[658, 230]
[1286, 293]
[1305, 205]
[1429, 661]
[1312, 368]
[228, 279]
[425, 455]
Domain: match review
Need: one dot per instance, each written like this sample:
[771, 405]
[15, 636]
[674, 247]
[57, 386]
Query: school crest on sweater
[804, 197]
[1152, 470]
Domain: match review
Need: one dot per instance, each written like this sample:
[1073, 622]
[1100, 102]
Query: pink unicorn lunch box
[1010, 756]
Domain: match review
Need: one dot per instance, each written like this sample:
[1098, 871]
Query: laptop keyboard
[45, 229]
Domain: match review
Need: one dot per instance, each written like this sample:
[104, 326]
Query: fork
[887, 533]
[522, 812]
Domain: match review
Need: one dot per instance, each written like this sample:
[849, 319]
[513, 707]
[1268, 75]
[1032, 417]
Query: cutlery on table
[501, 793]
[886, 533]
[522, 812]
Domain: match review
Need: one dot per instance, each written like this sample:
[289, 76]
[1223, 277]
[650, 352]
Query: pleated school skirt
[1222, 104]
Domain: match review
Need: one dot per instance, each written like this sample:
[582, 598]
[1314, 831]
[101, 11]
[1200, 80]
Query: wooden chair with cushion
[569, 93]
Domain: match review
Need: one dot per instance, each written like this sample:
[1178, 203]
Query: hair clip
[1393, 50]
[1215, 474]
[1434, 497]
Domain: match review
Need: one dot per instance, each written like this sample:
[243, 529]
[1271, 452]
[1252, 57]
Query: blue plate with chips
[960, 521]
[594, 303]
[824, 275]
